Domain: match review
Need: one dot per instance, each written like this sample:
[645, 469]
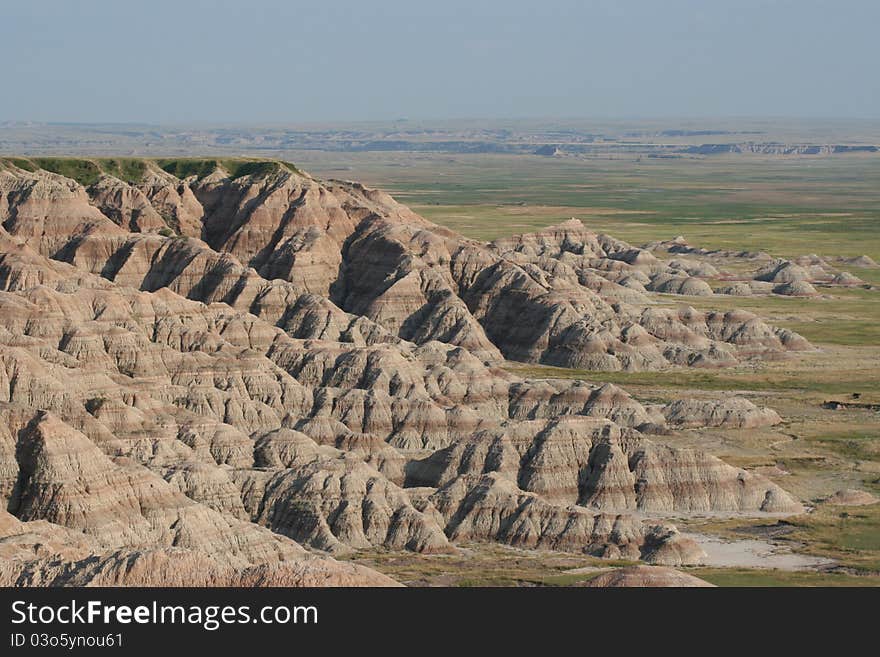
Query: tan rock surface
[646, 576]
[851, 497]
[198, 375]
[278, 244]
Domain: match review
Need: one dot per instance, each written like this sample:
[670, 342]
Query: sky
[261, 61]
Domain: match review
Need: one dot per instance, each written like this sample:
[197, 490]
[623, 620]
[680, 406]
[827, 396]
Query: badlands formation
[227, 373]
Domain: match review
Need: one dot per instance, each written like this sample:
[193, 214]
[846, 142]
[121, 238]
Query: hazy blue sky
[270, 60]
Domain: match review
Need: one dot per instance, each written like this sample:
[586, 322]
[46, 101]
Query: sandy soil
[752, 553]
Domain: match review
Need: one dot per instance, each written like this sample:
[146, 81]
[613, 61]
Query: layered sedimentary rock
[339, 261]
[71, 502]
[39, 553]
[334, 501]
[731, 412]
[199, 376]
[171, 567]
[597, 464]
[759, 273]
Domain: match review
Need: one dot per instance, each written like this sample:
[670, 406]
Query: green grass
[131, 170]
[184, 168]
[855, 445]
[85, 172]
[20, 162]
[517, 578]
[485, 564]
[567, 579]
[850, 535]
[712, 228]
[761, 378]
[750, 577]
[786, 206]
[489, 565]
[237, 168]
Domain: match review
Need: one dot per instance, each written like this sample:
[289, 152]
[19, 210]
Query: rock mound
[646, 576]
[851, 497]
[845, 278]
[862, 261]
[732, 412]
[796, 289]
